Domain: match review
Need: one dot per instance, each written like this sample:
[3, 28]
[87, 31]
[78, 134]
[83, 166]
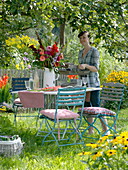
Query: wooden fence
[26, 73]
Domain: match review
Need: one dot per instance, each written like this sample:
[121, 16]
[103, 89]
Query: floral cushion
[98, 110]
[61, 114]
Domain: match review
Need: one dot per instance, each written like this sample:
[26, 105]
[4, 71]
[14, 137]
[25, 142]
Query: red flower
[72, 76]
[54, 49]
[46, 57]
[3, 80]
[57, 64]
[41, 52]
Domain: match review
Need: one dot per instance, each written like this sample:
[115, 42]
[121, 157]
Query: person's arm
[84, 66]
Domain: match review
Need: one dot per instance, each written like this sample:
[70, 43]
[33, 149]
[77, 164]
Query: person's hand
[82, 66]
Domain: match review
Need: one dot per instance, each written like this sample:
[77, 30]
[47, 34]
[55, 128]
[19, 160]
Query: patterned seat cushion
[97, 110]
[61, 114]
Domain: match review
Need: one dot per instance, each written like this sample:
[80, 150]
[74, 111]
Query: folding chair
[63, 122]
[31, 99]
[112, 93]
[18, 84]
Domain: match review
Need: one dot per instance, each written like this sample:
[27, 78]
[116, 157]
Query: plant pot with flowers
[47, 58]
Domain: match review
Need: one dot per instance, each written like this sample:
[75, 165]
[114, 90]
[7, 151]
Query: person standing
[89, 60]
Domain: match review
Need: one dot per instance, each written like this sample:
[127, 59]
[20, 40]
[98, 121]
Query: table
[88, 89]
[50, 96]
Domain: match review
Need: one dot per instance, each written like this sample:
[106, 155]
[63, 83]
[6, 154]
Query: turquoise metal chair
[111, 96]
[62, 123]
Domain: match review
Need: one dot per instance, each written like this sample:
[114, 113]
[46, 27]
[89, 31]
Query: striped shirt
[92, 59]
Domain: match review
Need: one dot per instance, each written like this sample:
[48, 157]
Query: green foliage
[108, 153]
[18, 47]
[108, 64]
[48, 156]
[5, 95]
[106, 22]
[120, 77]
[72, 46]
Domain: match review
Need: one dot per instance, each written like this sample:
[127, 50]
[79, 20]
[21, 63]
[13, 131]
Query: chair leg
[91, 125]
[60, 134]
[37, 119]
[15, 109]
[108, 127]
[91, 129]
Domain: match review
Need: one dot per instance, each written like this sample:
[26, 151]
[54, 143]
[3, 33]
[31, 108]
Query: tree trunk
[62, 28]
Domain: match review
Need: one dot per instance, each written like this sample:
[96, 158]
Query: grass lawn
[36, 156]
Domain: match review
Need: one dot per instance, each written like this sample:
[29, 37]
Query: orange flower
[41, 52]
[72, 76]
[42, 58]
[3, 80]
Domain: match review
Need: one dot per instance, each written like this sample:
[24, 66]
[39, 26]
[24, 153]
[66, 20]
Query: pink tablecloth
[31, 99]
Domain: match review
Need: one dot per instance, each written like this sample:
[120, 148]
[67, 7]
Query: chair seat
[61, 114]
[97, 111]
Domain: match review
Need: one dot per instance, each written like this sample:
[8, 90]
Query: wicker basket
[11, 147]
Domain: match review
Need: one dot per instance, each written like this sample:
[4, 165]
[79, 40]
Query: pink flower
[25, 59]
[49, 48]
[29, 66]
[47, 54]
[42, 58]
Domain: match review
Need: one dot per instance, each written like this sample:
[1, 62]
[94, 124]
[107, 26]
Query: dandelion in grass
[111, 152]
[96, 155]
[84, 153]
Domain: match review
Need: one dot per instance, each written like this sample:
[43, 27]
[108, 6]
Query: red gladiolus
[3, 80]
[55, 49]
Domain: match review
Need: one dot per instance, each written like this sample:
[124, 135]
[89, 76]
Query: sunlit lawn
[36, 156]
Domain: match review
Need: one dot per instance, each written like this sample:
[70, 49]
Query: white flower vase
[49, 79]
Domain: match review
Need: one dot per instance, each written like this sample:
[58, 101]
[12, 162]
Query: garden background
[60, 21]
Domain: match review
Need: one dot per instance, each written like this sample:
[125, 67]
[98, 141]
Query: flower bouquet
[48, 57]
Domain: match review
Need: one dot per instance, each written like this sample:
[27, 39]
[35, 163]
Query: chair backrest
[18, 84]
[31, 99]
[112, 93]
[71, 97]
